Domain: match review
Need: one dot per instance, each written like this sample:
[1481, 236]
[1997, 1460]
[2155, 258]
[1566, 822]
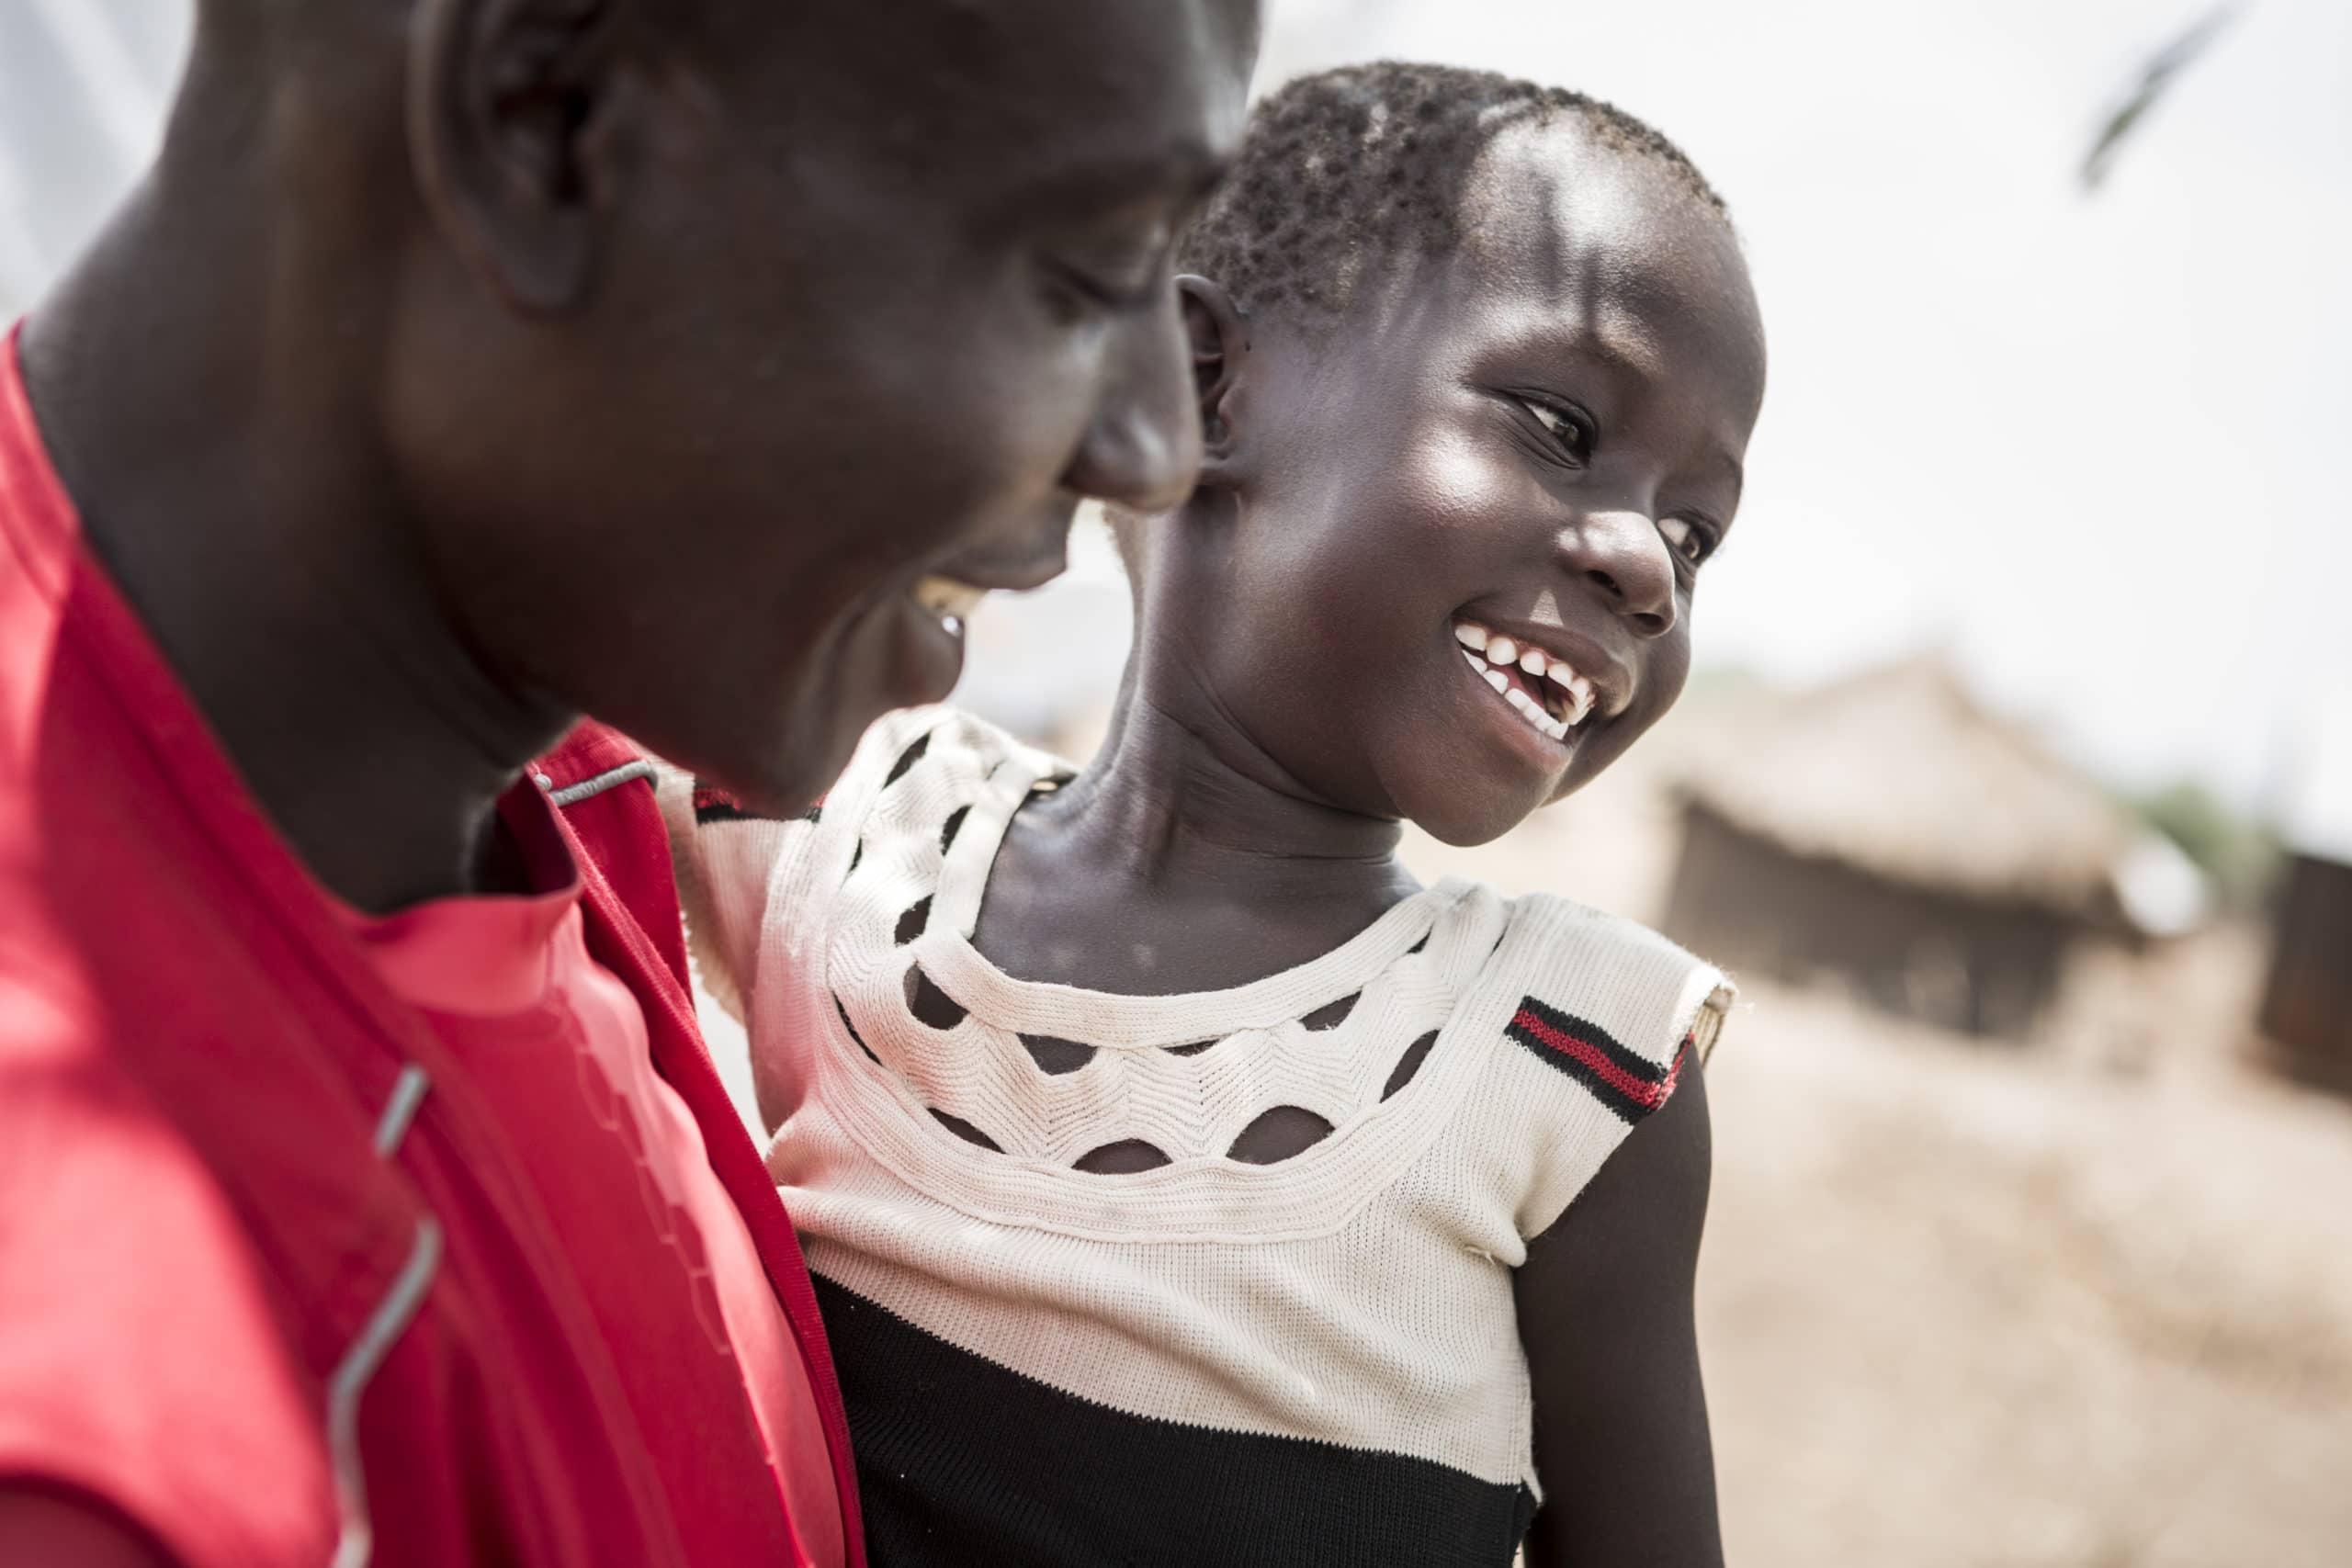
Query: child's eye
[1573, 430]
[1693, 541]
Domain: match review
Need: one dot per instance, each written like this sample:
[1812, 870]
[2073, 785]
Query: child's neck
[1182, 859]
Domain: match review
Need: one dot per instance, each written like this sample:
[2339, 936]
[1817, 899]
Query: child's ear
[1218, 339]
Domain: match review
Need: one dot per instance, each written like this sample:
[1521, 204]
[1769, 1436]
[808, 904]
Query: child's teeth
[1502, 653]
[1575, 685]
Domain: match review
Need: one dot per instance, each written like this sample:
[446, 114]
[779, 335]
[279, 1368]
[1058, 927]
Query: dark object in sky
[2155, 77]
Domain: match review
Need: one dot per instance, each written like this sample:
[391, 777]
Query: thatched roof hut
[1890, 830]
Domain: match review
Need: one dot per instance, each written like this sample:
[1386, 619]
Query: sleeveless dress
[1311, 1362]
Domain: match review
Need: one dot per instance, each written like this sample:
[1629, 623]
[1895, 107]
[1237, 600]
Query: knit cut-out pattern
[1151, 1091]
[1136, 1202]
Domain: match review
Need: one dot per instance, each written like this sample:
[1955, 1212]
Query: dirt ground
[1960, 1308]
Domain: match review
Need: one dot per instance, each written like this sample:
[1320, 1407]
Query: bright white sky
[2089, 446]
[2094, 447]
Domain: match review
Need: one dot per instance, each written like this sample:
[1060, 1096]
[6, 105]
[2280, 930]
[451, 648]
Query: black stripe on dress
[1626, 1083]
[963, 1461]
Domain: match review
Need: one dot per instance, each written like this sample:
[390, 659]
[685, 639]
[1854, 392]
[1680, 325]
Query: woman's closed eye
[1121, 272]
[1113, 289]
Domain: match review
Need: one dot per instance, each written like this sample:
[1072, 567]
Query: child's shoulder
[923, 781]
[1592, 1021]
[749, 881]
[944, 751]
[1605, 1000]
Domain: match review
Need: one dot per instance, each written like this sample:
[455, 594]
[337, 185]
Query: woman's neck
[216, 438]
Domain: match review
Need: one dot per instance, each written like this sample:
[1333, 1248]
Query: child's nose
[1622, 553]
[1142, 448]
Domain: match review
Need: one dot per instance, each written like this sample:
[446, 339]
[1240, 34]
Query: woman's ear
[1218, 339]
[512, 114]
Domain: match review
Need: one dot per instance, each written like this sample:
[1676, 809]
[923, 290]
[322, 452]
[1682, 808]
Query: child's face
[1538, 438]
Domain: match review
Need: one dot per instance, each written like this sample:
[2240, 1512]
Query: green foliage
[2238, 856]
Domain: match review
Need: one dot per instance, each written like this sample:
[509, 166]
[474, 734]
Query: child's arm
[1605, 1312]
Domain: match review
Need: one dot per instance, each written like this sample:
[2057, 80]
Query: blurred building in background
[2307, 999]
[1889, 834]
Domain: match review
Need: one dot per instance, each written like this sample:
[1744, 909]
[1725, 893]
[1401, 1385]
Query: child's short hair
[1345, 171]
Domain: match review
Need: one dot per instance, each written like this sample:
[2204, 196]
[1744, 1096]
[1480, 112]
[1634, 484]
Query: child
[1184, 1184]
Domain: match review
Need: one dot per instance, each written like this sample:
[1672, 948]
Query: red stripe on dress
[1642, 1090]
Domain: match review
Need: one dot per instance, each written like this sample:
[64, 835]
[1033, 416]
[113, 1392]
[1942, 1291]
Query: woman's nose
[1142, 447]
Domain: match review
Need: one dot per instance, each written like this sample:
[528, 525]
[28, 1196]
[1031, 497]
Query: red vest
[272, 1283]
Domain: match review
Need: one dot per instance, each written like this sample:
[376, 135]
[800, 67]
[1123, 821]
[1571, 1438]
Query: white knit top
[1356, 1294]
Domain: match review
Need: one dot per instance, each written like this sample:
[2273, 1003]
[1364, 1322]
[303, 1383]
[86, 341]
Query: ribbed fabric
[1356, 1294]
[963, 1461]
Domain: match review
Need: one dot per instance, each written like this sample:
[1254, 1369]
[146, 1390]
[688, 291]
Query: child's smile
[1537, 677]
